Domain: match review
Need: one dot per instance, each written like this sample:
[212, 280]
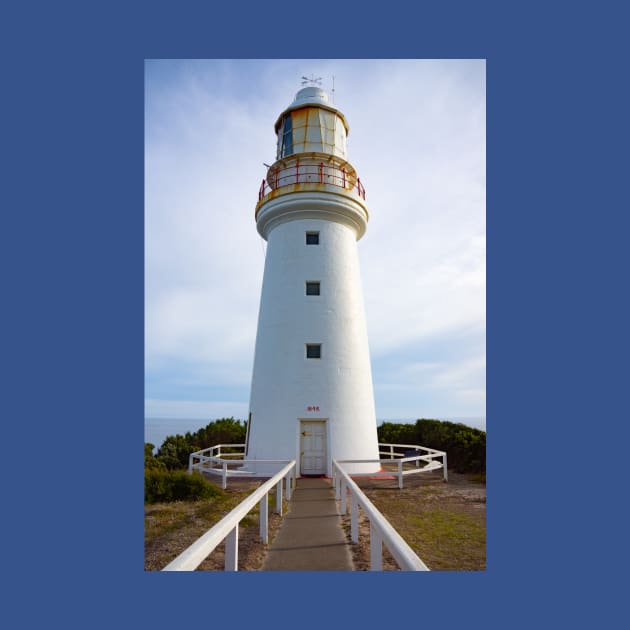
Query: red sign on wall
[312, 408]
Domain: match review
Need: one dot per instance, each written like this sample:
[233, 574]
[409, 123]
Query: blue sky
[417, 140]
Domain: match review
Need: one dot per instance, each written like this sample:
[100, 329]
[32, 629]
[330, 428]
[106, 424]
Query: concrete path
[310, 537]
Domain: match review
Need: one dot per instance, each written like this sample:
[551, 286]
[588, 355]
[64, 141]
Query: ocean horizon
[156, 430]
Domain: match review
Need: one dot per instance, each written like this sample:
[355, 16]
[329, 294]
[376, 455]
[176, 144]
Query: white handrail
[212, 461]
[214, 452]
[430, 458]
[227, 527]
[381, 531]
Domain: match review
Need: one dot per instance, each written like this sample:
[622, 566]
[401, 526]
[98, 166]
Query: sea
[156, 430]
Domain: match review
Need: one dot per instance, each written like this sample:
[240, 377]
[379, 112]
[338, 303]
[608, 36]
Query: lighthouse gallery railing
[311, 174]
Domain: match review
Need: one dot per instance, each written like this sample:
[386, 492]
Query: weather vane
[312, 80]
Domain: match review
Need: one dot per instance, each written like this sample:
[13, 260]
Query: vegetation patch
[444, 523]
[465, 446]
[448, 540]
[162, 486]
[174, 451]
[171, 527]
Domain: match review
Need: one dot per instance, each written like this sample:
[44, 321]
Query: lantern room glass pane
[287, 137]
[314, 134]
[340, 135]
[298, 136]
[300, 117]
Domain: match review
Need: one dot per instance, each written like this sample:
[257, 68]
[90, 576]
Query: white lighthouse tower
[311, 396]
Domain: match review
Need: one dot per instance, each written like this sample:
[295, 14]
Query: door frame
[298, 459]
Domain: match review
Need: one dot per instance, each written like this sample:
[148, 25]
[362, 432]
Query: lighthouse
[312, 397]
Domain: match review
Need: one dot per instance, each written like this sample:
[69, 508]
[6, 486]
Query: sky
[417, 140]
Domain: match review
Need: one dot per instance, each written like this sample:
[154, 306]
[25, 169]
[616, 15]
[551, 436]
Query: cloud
[417, 139]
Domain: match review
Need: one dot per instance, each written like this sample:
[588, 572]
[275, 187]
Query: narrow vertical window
[287, 137]
[312, 238]
[313, 350]
[312, 288]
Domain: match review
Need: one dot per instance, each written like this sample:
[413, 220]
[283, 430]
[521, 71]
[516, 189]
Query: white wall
[284, 382]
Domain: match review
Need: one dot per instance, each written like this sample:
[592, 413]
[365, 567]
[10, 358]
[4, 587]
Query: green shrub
[149, 460]
[465, 446]
[174, 451]
[178, 485]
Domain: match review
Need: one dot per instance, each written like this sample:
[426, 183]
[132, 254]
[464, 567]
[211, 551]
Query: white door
[313, 447]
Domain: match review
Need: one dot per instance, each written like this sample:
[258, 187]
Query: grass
[444, 523]
[170, 528]
[447, 540]
[163, 518]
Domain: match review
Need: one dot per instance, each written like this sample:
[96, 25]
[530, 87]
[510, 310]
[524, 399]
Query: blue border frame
[74, 108]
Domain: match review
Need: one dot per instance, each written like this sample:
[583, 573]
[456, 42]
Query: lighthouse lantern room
[311, 395]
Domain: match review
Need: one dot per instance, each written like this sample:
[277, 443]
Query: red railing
[312, 173]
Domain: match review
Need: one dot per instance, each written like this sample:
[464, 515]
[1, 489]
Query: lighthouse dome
[310, 95]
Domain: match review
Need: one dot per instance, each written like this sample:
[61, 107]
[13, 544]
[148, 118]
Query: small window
[312, 288]
[313, 350]
[312, 238]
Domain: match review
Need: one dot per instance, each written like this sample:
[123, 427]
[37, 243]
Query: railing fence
[381, 531]
[227, 528]
[311, 173]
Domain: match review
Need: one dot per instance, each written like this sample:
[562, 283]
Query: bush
[465, 446]
[175, 449]
[149, 460]
[165, 485]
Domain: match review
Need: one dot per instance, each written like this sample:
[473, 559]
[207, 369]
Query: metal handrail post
[376, 549]
[344, 493]
[287, 483]
[279, 498]
[264, 518]
[224, 482]
[354, 518]
[231, 550]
